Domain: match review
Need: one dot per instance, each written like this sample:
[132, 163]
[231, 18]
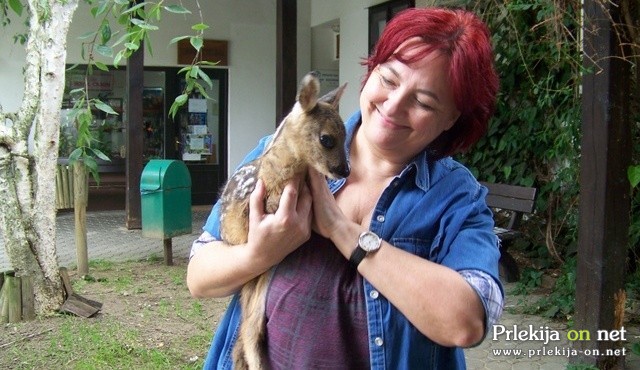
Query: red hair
[465, 40]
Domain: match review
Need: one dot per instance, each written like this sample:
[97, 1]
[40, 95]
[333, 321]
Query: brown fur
[313, 134]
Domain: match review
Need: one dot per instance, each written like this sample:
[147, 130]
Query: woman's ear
[452, 120]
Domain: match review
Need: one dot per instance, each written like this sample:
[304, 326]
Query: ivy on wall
[534, 137]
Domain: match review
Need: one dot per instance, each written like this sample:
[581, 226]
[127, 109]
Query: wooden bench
[509, 203]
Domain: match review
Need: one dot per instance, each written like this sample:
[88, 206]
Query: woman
[402, 268]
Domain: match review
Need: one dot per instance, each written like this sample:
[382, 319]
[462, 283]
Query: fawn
[312, 134]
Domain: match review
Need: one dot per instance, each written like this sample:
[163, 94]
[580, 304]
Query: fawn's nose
[342, 170]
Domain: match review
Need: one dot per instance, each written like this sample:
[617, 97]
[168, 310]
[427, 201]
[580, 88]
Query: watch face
[369, 241]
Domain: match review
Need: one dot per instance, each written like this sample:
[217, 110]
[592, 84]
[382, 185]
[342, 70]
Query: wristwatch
[368, 242]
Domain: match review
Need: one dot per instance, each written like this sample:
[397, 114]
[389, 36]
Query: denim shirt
[433, 209]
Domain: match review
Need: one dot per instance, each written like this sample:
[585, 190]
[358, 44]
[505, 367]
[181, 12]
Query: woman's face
[405, 107]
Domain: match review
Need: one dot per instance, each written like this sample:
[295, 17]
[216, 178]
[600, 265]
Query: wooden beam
[604, 188]
[286, 57]
[135, 85]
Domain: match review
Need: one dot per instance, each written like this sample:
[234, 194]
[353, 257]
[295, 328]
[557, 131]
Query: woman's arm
[218, 269]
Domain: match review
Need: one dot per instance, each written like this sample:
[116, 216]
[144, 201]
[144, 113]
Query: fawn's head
[314, 130]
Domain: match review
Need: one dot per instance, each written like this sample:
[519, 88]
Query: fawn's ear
[308, 92]
[333, 97]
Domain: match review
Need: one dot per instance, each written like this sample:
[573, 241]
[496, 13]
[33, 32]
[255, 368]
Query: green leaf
[131, 46]
[95, 152]
[16, 6]
[101, 8]
[633, 173]
[79, 91]
[91, 163]
[199, 27]
[203, 75]
[177, 9]
[507, 171]
[118, 58]
[207, 63]
[176, 39]
[145, 25]
[193, 73]
[134, 8]
[75, 155]
[196, 42]
[105, 32]
[147, 43]
[104, 107]
[127, 36]
[155, 13]
[202, 90]
[101, 66]
[137, 21]
[174, 109]
[181, 99]
[104, 50]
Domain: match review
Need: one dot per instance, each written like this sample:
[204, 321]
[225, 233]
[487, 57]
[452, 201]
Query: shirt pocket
[425, 248]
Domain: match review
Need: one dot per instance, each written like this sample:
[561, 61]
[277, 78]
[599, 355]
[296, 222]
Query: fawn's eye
[327, 141]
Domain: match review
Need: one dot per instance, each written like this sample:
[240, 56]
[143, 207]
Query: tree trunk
[27, 175]
[80, 199]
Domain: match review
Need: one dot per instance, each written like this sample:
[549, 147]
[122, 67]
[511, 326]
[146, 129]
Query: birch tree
[27, 170]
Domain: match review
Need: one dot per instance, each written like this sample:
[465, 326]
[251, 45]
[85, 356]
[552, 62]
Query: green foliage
[529, 280]
[533, 139]
[633, 173]
[193, 73]
[138, 20]
[82, 115]
[632, 286]
[560, 303]
[581, 367]
[535, 135]
[16, 6]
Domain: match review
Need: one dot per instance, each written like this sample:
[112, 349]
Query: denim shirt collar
[420, 163]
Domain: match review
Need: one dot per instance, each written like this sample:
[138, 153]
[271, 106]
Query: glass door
[200, 137]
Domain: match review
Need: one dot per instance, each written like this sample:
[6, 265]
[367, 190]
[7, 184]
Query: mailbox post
[165, 194]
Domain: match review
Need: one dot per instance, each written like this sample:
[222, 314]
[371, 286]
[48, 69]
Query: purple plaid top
[316, 315]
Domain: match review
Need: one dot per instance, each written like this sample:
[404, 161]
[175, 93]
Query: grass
[148, 321]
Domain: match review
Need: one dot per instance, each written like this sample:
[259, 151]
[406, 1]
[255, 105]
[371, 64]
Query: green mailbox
[165, 193]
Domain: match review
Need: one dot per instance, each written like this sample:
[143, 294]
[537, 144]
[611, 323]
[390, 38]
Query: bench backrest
[517, 199]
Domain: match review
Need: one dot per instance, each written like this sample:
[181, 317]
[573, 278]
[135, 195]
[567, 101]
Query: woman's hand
[219, 269]
[273, 236]
[326, 213]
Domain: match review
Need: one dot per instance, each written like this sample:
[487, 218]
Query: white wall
[304, 38]
[12, 59]
[353, 18]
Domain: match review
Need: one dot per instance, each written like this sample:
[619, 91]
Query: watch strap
[357, 256]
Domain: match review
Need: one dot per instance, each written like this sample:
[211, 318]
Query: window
[380, 14]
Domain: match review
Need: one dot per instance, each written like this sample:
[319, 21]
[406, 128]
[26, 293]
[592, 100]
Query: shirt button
[378, 341]
[374, 294]
[380, 218]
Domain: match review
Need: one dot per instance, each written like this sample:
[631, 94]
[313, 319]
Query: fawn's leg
[251, 340]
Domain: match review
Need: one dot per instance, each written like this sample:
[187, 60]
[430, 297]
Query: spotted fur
[312, 134]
